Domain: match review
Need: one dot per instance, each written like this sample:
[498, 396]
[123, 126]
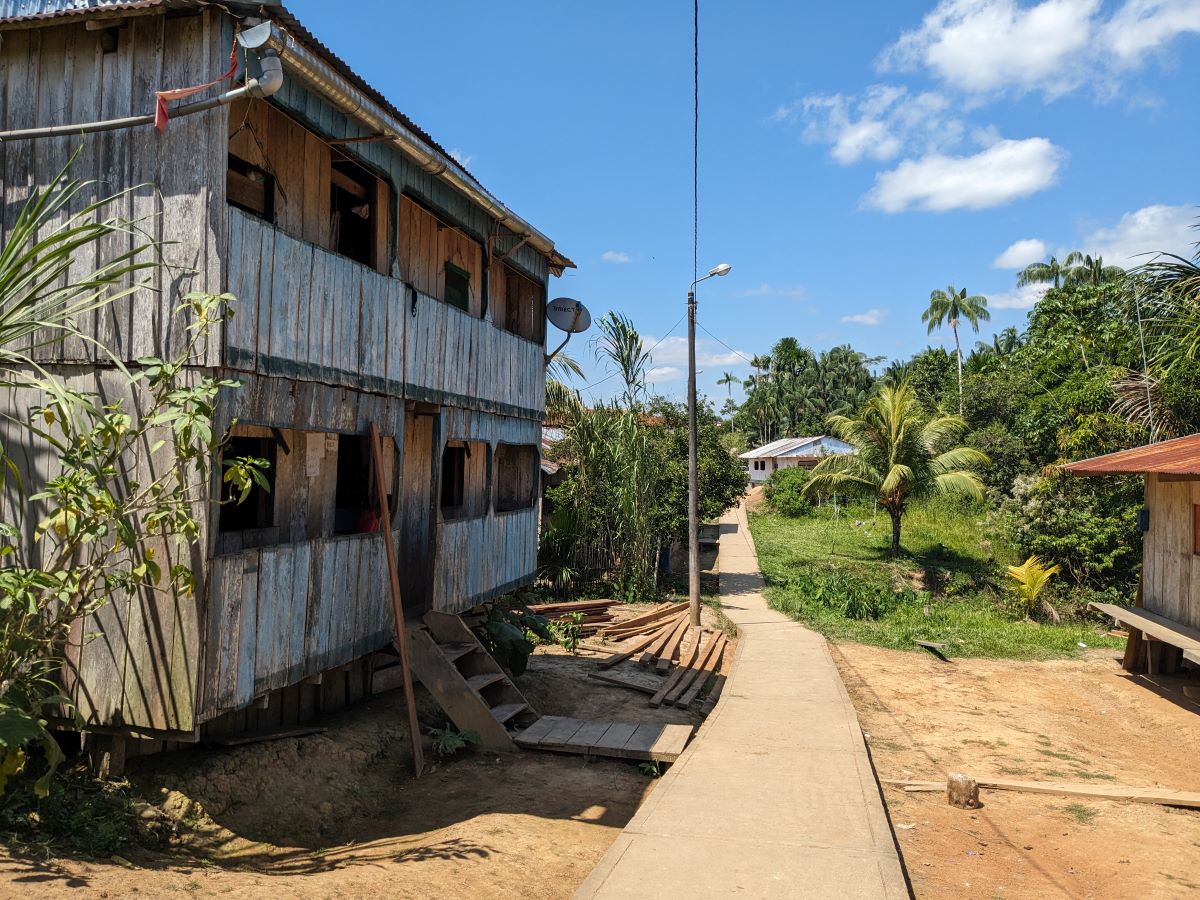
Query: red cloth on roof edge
[161, 112]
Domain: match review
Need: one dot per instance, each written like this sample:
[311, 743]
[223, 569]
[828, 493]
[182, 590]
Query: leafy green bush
[510, 631]
[785, 492]
[847, 593]
[449, 740]
[78, 814]
[567, 631]
[1088, 525]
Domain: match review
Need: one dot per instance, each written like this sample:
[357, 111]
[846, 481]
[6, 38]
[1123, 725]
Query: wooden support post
[385, 529]
[1134, 651]
[962, 791]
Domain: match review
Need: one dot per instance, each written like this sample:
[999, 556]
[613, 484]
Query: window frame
[469, 505]
[448, 269]
[535, 479]
[235, 163]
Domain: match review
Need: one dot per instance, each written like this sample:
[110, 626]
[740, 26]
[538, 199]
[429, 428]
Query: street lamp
[693, 493]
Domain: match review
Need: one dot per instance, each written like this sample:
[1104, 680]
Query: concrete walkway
[775, 797]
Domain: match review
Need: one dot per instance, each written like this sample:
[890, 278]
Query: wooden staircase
[471, 687]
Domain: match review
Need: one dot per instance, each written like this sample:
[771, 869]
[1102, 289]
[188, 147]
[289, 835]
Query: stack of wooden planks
[663, 640]
[700, 660]
[595, 613]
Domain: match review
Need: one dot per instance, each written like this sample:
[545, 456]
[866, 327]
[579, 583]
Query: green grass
[950, 570]
[1080, 813]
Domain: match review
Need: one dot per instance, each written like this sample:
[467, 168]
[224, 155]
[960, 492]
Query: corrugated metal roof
[1180, 456]
[781, 447]
[33, 10]
[17, 11]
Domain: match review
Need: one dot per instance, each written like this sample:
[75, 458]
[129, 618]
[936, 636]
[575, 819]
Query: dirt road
[1068, 720]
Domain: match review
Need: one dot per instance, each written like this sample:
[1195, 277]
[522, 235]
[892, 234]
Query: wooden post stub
[962, 791]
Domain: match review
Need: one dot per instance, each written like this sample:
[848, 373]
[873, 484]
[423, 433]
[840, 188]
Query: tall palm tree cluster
[1077, 268]
[793, 390]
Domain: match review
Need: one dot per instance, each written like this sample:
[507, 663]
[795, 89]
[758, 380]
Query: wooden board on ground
[1160, 796]
[687, 692]
[256, 737]
[658, 648]
[655, 742]
[639, 644]
[618, 681]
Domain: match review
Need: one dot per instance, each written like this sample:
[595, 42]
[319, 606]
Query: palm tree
[1084, 269]
[1171, 285]
[728, 378]
[54, 232]
[1042, 273]
[899, 456]
[620, 343]
[951, 305]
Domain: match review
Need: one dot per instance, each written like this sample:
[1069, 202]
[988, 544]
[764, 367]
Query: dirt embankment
[1077, 721]
[338, 814]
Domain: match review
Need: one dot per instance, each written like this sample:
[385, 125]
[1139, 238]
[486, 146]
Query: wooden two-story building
[376, 281]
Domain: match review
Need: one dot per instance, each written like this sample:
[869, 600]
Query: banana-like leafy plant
[102, 475]
[1030, 579]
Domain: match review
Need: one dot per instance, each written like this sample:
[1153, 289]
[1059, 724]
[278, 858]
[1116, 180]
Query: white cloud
[614, 256]
[767, 290]
[664, 373]
[1052, 46]
[997, 175]
[1020, 298]
[877, 125]
[463, 159]
[673, 352]
[870, 317]
[1141, 27]
[1151, 229]
[1020, 254]
[986, 45]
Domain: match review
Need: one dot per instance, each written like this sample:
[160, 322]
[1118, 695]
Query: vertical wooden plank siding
[1170, 568]
[322, 345]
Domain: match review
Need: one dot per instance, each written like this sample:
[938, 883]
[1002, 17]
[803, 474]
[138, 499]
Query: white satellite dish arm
[574, 324]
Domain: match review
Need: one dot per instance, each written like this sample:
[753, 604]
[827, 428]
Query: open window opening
[356, 502]
[352, 212]
[439, 258]
[464, 488]
[257, 511]
[458, 287]
[517, 468]
[290, 177]
[250, 188]
[517, 302]
[525, 306]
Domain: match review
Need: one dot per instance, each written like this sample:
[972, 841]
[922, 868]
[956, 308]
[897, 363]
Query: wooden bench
[1153, 629]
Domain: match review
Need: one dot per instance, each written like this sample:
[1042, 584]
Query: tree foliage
[107, 506]
[902, 454]
[794, 390]
[785, 492]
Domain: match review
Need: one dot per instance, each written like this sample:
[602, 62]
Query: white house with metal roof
[786, 453]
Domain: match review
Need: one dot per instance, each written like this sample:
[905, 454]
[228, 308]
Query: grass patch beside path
[819, 567]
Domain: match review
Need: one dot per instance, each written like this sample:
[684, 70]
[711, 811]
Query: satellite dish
[568, 315]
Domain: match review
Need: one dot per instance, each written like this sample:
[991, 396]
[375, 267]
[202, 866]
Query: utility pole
[693, 465]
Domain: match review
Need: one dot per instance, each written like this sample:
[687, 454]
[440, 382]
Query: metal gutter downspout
[268, 83]
[312, 72]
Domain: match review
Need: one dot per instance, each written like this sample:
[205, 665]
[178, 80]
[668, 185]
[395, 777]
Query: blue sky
[853, 156]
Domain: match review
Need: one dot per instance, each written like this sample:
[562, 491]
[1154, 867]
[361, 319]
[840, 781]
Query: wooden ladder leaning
[471, 687]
